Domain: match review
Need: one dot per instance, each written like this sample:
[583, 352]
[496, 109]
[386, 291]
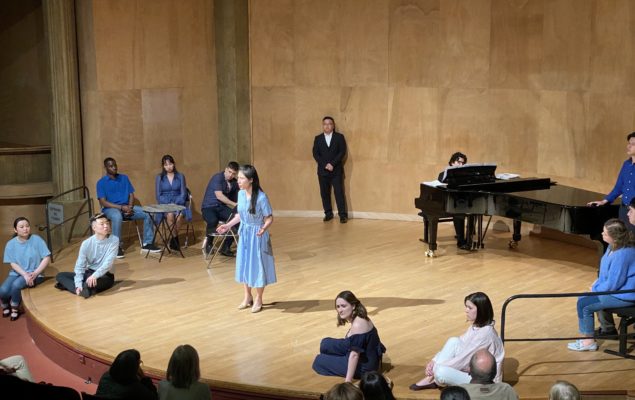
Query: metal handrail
[549, 295]
[86, 200]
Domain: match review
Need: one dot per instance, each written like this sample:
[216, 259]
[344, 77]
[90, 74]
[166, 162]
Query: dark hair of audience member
[125, 367]
[358, 308]
[563, 390]
[183, 367]
[620, 234]
[484, 310]
[455, 157]
[343, 391]
[454, 393]
[375, 387]
[16, 222]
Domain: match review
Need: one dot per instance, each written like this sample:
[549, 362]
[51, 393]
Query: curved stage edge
[294, 239]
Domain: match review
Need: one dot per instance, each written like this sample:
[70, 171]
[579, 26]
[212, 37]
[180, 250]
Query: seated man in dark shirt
[458, 159]
[219, 203]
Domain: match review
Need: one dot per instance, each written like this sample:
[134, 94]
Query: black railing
[549, 295]
[87, 202]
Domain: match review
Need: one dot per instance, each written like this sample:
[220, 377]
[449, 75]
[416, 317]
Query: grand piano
[534, 200]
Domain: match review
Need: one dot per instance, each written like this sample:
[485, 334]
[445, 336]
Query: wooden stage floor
[415, 302]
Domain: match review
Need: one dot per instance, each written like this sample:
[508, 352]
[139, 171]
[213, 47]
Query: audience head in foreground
[344, 391]
[483, 372]
[375, 386]
[563, 390]
[454, 393]
[182, 378]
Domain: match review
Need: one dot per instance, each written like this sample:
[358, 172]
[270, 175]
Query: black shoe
[174, 244]
[416, 387]
[120, 253]
[86, 292]
[465, 247]
[59, 286]
[208, 245]
[343, 220]
[601, 333]
[327, 217]
[228, 253]
[151, 248]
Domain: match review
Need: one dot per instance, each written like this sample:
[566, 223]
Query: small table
[163, 228]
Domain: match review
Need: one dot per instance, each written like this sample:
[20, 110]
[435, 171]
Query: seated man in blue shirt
[625, 184]
[219, 203]
[94, 267]
[116, 197]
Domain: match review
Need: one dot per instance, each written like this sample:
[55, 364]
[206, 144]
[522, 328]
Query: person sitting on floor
[126, 380]
[116, 197]
[94, 270]
[182, 378]
[450, 366]
[28, 256]
[483, 372]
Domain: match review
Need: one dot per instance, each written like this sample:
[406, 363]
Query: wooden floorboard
[415, 302]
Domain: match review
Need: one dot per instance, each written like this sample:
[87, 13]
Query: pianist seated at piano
[456, 160]
[625, 184]
[617, 272]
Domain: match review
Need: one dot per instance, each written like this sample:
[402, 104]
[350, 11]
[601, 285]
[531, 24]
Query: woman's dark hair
[250, 173]
[125, 367]
[620, 234]
[375, 387]
[165, 158]
[358, 308]
[454, 393]
[484, 310]
[16, 222]
[183, 367]
[455, 157]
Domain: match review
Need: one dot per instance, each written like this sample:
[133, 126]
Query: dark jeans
[214, 215]
[67, 280]
[337, 182]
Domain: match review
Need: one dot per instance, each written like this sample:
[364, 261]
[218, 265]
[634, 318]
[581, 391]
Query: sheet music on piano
[435, 183]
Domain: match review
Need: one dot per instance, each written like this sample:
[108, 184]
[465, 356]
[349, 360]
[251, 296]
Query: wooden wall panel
[540, 87]
[149, 88]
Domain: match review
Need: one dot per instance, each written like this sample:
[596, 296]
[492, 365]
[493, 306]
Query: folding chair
[627, 317]
[189, 226]
[134, 222]
[218, 239]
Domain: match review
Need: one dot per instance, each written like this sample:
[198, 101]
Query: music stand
[469, 174]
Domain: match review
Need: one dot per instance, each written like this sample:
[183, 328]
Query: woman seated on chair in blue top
[617, 272]
[359, 351]
[171, 189]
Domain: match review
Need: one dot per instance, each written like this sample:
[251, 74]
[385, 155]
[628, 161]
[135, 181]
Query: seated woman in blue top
[171, 189]
[28, 255]
[359, 351]
[617, 272]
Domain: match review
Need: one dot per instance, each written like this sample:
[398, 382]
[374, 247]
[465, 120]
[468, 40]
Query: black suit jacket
[333, 154]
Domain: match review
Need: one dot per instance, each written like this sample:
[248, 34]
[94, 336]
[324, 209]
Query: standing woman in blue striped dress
[254, 257]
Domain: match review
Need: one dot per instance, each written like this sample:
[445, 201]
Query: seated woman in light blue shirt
[171, 188]
[28, 255]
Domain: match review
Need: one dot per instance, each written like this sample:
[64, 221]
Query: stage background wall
[540, 87]
[148, 88]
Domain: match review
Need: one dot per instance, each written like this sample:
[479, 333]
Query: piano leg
[426, 225]
[431, 233]
[516, 235]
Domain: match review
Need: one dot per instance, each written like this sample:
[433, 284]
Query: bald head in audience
[482, 367]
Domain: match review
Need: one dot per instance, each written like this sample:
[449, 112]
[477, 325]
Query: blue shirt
[116, 191]
[617, 272]
[625, 184]
[28, 255]
[171, 193]
[218, 183]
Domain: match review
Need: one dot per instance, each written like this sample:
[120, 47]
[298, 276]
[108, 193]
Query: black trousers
[337, 183]
[213, 215]
[67, 280]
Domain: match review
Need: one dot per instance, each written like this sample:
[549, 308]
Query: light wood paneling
[415, 302]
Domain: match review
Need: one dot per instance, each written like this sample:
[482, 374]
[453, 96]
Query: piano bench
[627, 318]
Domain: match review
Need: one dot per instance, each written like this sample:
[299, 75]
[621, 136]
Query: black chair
[627, 318]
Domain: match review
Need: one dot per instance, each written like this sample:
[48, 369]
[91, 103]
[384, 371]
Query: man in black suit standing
[329, 150]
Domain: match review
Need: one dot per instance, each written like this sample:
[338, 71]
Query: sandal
[15, 314]
[5, 312]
